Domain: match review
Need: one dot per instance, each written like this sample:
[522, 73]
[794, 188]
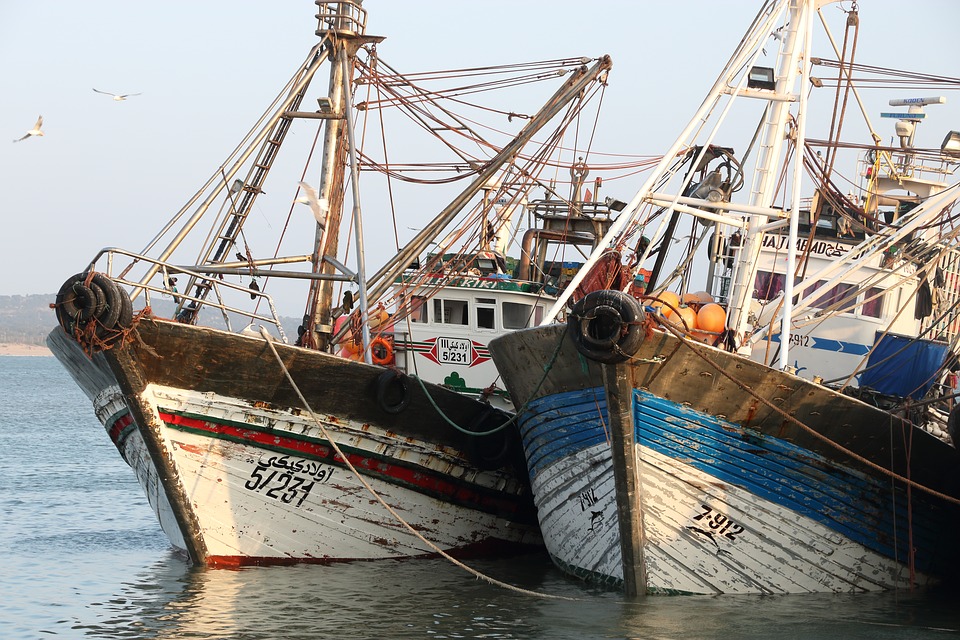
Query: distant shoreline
[15, 349]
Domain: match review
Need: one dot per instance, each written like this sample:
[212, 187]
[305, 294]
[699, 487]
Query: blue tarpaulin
[902, 366]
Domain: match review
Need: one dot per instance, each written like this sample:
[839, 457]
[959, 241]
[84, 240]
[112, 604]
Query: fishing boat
[375, 432]
[763, 401]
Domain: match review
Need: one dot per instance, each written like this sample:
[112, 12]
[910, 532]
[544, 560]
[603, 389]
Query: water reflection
[383, 599]
[82, 556]
[434, 599]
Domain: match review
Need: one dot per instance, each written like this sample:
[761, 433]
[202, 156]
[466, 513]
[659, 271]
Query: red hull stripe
[488, 548]
[423, 480]
[119, 427]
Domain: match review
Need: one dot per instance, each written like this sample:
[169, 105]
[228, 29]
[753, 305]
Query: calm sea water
[81, 556]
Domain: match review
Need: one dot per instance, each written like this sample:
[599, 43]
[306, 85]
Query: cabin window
[768, 286]
[538, 314]
[486, 318]
[486, 313]
[516, 315]
[418, 309]
[450, 311]
[837, 298]
[872, 303]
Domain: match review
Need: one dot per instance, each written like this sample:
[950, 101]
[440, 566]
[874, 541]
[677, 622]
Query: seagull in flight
[117, 97]
[33, 132]
[319, 206]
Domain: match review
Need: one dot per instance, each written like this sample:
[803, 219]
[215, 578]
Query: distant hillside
[28, 319]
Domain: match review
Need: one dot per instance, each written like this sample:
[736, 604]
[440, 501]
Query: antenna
[907, 122]
[919, 102]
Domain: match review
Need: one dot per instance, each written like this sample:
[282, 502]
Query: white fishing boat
[376, 434]
[764, 406]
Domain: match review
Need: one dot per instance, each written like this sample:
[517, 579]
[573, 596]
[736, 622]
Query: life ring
[490, 451]
[381, 351]
[606, 326]
[389, 384]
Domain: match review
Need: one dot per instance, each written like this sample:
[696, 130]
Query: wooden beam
[617, 382]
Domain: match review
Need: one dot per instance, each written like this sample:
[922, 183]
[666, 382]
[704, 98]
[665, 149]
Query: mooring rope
[546, 370]
[889, 472]
[269, 340]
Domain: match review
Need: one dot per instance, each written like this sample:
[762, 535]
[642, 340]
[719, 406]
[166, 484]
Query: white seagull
[319, 206]
[33, 132]
[117, 97]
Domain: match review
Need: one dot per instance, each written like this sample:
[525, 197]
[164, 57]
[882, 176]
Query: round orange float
[687, 318]
[711, 321]
[712, 318]
[668, 297]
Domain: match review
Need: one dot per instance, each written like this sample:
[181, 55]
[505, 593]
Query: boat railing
[188, 306]
[549, 209]
[914, 165]
[343, 18]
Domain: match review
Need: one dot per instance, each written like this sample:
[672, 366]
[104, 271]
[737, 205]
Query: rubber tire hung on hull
[388, 384]
[490, 451]
[606, 326]
[94, 298]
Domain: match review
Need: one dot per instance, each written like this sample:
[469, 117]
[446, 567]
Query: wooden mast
[344, 24]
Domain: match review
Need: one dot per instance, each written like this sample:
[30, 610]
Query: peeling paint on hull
[726, 508]
[239, 474]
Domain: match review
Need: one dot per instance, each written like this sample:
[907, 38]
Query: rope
[267, 338]
[907, 481]
[543, 378]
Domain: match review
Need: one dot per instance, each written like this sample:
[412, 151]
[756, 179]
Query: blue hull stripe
[838, 346]
[855, 505]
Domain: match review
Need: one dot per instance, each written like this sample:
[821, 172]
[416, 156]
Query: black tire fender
[76, 302]
[110, 312]
[953, 425]
[389, 384]
[493, 450]
[606, 326]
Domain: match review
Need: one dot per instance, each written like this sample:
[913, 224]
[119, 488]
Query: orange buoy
[712, 318]
[377, 317]
[690, 299]
[346, 344]
[668, 297]
[348, 349]
[687, 318]
[704, 297]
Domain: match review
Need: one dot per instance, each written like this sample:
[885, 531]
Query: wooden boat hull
[731, 496]
[240, 472]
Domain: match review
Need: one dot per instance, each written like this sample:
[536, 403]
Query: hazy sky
[110, 173]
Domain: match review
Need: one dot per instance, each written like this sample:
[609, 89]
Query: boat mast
[725, 84]
[766, 173]
[342, 24]
[572, 88]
